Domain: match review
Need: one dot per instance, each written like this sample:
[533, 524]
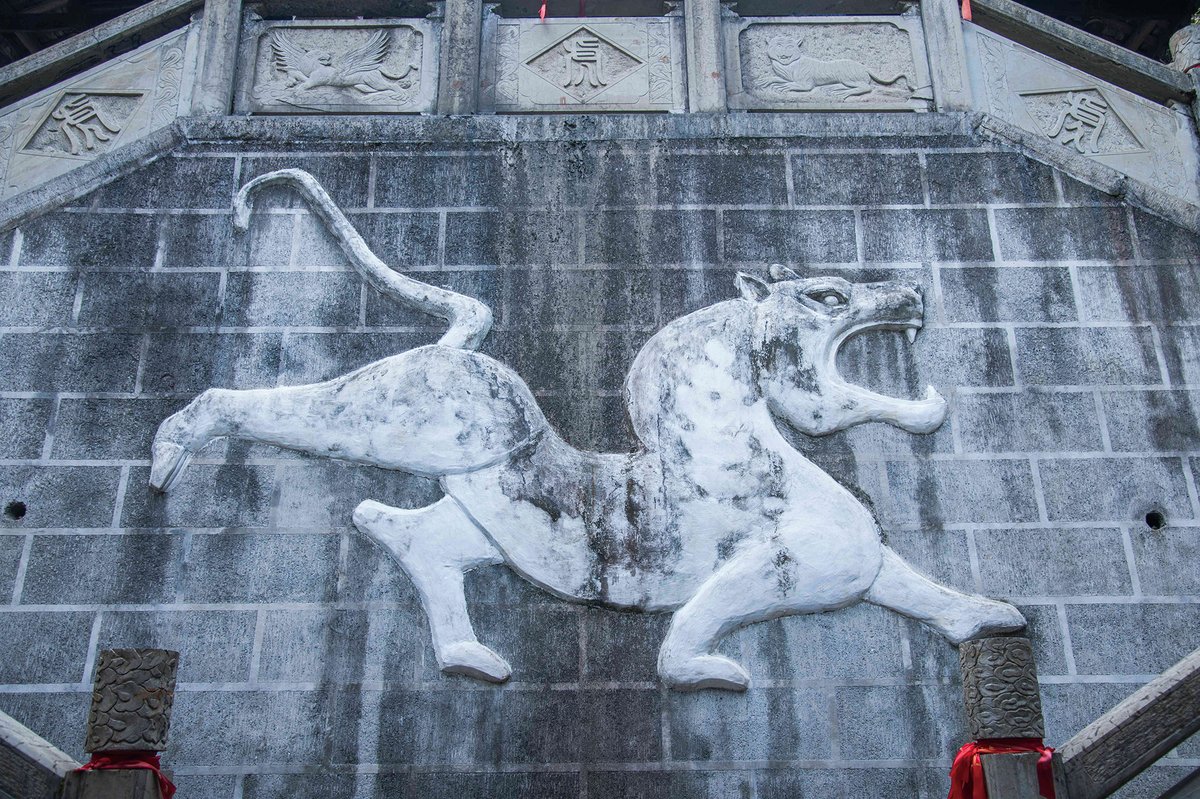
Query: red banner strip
[966, 775]
[131, 759]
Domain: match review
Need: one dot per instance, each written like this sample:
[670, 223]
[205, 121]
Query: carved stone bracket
[131, 700]
[1000, 688]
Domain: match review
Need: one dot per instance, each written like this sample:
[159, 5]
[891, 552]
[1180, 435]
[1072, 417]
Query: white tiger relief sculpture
[716, 519]
[793, 71]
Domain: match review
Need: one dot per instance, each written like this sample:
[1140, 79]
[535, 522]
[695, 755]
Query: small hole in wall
[1156, 520]
[14, 511]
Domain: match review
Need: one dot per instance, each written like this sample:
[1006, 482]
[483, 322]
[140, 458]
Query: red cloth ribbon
[966, 10]
[131, 758]
[966, 775]
[542, 10]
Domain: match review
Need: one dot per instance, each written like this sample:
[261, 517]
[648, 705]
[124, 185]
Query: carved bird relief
[361, 68]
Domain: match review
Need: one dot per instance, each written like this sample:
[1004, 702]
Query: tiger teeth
[911, 334]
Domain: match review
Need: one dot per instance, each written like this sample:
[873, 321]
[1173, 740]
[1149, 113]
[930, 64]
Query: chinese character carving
[1080, 121]
[585, 63]
[84, 123]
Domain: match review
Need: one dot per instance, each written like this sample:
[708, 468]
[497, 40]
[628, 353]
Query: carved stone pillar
[705, 56]
[131, 712]
[220, 29]
[942, 20]
[1185, 49]
[1000, 688]
[458, 73]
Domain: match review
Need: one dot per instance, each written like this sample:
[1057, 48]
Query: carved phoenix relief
[362, 68]
[716, 519]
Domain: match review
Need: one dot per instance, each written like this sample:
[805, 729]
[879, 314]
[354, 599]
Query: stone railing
[1104, 114]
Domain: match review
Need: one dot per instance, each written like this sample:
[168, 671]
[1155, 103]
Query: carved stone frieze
[1084, 115]
[339, 67]
[594, 64]
[1000, 688]
[81, 119]
[131, 700]
[826, 63]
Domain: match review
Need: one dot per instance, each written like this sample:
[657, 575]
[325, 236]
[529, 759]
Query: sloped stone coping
[30, 766]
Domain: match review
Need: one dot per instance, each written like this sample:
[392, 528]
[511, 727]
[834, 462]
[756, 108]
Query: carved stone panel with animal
[337, 67]
[716, 518]
[827, 63]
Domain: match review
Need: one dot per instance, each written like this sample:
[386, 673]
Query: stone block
[716, 178]
[175, 181]
[941, 555]
[429, 785]
[651, 238]
[280, 728]
[540, 298]
[101, 569]
[44, 647]
[1148, 421]
[540, 641]
[1063, 234]
[442, 180]
[1158, 239]
[761, 724]
[791, 237]
[1086, 356]
[511, 238]
[224, 495]
[1161, 293]
[149, 300]
[200, 241]
[1166, 560]
[856, 643]
[485, 285]
[322, 494]
[933, 657]
[214, 645]
[1028, 421]
[99, 429]
[312, 357]
[315, 247]
[188, 363]
[298, 299]
[11, 547]
[401, 240]
[23, 424]
[670, 784]
[57, 716]
[619, 725]
[943, 357]
[1008, 294]
[1077, 193]
[61, 496]
[43, 299]
[68, 361]
[988, 178]
[262, 567]
[1071, 562]
[900, 722]
[1131, 488]
[623, 647]
[686, 290]
[841, 783]
[1069, 707]
[90, 240]
[344, 177]
[926, 235]
[1131, 639]
[570, 362]
[1181, 351]
[858, 179]
[270, 241]
[328, 646]
[204, 786]
[858, 445]
[500, 586]
[937, 493]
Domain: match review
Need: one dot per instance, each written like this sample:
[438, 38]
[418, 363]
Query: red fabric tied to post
[129, 759]
[966, 775]
[966, 10]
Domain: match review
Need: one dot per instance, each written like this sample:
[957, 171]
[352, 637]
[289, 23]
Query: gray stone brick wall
[1061, 324]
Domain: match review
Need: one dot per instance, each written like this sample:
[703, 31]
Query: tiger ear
[752, 288]
[781, 272]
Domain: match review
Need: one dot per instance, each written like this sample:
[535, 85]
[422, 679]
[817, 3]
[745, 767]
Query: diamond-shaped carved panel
[1082, 119]
[584, 64]
[83, 124]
